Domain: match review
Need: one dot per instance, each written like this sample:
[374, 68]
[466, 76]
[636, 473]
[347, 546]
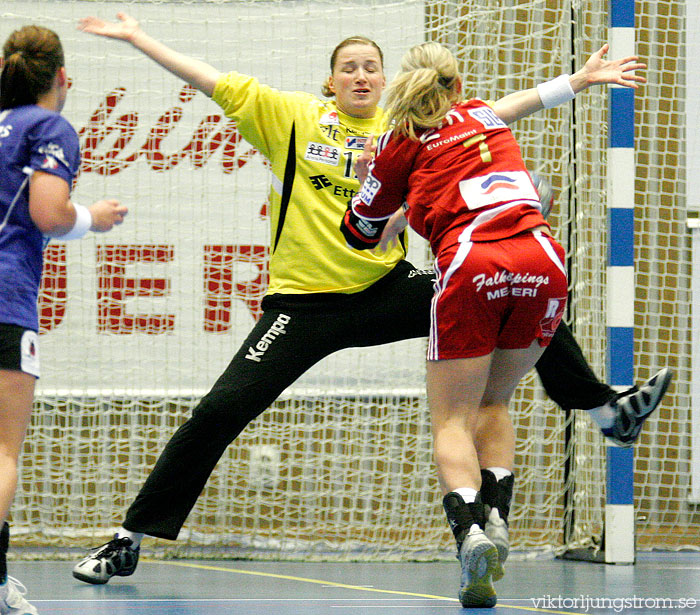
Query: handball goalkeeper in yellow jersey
[322, 293]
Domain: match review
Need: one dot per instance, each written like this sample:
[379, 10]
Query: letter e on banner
[114, 288]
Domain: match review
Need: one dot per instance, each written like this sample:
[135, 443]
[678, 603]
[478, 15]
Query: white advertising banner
[161, 304]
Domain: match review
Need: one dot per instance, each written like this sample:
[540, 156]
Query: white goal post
[139, 323]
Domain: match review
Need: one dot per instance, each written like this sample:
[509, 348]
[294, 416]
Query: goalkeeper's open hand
[124, 29]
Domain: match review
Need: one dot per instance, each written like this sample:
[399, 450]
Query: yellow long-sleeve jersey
[311, 147]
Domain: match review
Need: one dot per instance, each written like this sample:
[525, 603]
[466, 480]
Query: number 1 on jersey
[349, 171]
[483, 147]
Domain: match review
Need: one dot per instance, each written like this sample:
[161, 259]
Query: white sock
[603, 415]
[499, 472]
[467, 493]
[135, 536]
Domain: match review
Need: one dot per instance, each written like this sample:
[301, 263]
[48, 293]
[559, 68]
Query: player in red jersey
[456, 170]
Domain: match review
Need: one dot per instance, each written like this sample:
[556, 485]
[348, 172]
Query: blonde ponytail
[424, 90]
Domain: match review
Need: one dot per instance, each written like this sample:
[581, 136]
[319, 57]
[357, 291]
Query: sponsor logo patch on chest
[325, 154]
[355, 142]
[499, 187]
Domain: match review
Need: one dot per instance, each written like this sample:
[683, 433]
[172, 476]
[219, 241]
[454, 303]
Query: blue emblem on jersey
[355, 142]
[494, 182]
[370, 189]
[486, 117]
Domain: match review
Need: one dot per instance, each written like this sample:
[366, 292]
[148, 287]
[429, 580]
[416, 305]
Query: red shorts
[497, 294]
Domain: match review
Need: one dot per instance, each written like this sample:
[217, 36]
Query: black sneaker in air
[634, 406]
[116, 558]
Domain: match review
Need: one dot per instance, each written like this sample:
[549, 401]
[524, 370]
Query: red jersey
[465, 176]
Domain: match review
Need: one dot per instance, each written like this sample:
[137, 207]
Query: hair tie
[446, 82]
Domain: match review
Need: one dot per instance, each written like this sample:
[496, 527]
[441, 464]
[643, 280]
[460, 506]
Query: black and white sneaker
[634, 406]
[479, 559]
[497, 495]
[116, 558]
[477, 555]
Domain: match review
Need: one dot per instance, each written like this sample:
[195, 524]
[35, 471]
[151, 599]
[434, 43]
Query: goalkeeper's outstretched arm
[195, 72]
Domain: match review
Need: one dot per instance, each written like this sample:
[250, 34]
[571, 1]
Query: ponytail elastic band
[555, 92]
[83, 222]
[446, 82]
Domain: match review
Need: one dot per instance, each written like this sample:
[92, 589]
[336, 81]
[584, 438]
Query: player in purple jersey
[39, 159]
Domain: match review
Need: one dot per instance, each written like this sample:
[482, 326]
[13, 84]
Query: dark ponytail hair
[31, 58]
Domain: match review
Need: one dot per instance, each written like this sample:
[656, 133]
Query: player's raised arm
[195, 72]
[596, 70]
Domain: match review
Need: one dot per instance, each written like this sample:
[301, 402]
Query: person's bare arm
[596, 70]
[195, 72]
[55, 214]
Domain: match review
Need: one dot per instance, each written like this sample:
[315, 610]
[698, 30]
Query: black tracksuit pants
[292, 335]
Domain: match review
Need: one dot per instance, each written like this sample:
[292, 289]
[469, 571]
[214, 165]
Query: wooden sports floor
[657, 583]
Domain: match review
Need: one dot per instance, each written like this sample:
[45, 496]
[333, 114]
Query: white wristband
[83, 222]
[555, 92]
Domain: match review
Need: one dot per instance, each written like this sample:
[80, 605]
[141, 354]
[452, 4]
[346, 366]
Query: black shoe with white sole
[634, 406]
[116, 558]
